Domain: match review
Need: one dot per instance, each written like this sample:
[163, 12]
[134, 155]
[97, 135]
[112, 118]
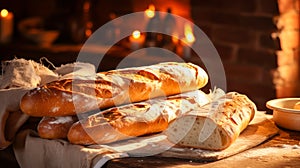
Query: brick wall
[287, 75]
[241, 32]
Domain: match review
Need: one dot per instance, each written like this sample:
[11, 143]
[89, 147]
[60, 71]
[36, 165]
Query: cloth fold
[10, 115]
[19, 77]
[32, 151]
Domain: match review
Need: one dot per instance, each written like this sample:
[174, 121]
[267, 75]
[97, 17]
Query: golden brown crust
[114, 131]
[215, 126]
[54, 102]
[135, 119]
[116, 87]
[55, 127]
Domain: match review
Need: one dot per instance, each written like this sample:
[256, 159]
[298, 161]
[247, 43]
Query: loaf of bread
[131, 120]
[70, 96]
[55, 127]
[214, 126]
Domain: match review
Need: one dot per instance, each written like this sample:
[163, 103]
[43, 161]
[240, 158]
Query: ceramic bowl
[284, 113]
[43, 38]
[33, 30]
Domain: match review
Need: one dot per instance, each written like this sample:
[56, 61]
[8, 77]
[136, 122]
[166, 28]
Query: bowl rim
[270, 105]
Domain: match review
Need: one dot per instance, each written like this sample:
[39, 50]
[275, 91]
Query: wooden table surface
[282, 151]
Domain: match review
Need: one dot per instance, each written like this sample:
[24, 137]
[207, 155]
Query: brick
[288, 91]
[206, 28]
[258, 93]
[289, 39]
[233, 35]
[287, 57]
[287, 5]
[266, 41]
[216, 17]
[257, 23]
[239, 72]
[228, 5]
[250, 22]
[268, 7]
[263, 58]
[289, 20]
[203, 16]
[226, 52]
[203, 4]
[221, 18]
[297, 5]
[268, 77]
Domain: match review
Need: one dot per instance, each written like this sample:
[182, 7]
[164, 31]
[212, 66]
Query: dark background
[240, 30]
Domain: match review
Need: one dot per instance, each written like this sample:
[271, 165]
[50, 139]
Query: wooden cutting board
[257, 132]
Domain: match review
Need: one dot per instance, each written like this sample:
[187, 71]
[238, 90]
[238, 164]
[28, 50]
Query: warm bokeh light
[188, 33]
[88, 33]
[150, 12]
[4, 13]
[175, 38]
[179, 7]
[136, 34]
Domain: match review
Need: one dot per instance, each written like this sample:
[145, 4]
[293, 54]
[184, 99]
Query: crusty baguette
[55, 127]
[135, 119]
[214, 126]
[112, 88]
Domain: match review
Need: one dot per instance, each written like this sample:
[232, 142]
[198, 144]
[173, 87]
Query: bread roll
[135, 119]
[55, 127]
[70, 96]
[214, 126]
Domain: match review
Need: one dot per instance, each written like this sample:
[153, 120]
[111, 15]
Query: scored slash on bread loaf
[214, 126]
[135, 119]
[112, 88]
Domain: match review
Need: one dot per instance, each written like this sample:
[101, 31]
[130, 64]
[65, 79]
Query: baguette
[137, 119]
[214, 126]
[55, 127]
[69, 96]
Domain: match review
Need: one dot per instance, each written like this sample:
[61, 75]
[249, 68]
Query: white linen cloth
[22, 75]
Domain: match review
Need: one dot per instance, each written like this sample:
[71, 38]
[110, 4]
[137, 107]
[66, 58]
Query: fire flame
[188, 33]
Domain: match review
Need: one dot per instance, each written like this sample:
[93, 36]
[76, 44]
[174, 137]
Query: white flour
[61, 120]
